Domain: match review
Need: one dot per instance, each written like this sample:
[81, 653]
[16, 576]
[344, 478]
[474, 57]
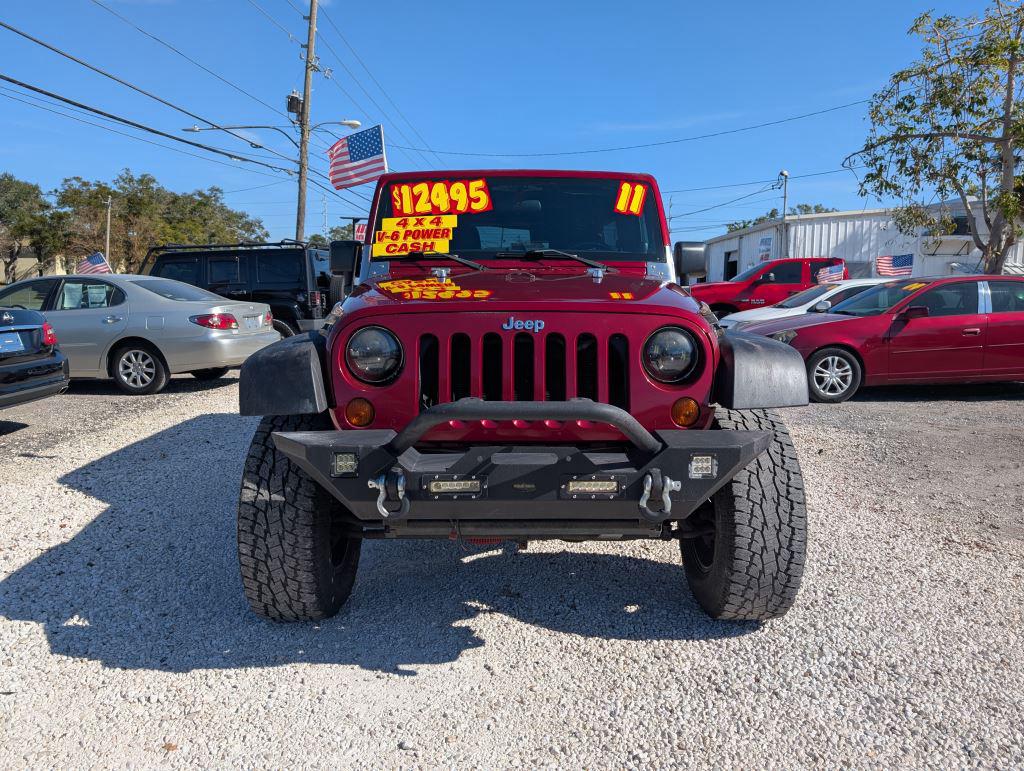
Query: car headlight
[670, 354]
[786, 336]
[374, 355]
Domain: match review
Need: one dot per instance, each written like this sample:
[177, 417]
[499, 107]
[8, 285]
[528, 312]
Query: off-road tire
[214, 373]
[339, 288]
[155, 369]
[852, 370]
[760, 531]
[290, 570]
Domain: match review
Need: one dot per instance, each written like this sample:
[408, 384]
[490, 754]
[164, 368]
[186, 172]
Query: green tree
[337, 233]
[950, 126]
[773, 214]
[22, 208]
[143, 214]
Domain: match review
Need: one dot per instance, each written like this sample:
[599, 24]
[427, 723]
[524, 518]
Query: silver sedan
[139, 330]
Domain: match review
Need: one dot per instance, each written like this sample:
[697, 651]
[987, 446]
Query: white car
[816, 299]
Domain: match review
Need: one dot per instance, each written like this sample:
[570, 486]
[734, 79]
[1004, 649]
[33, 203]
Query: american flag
[831, 273]
[895, 265]
[94, 263]
[358, 158]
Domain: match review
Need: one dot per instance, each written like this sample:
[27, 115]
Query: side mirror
[915, 312]
[689, 259]
[344, 256]
[822, 307]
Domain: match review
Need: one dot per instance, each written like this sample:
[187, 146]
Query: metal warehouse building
[859, 237]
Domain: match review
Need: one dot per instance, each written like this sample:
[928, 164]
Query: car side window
[224, 270]
[31, 296]
[788, 273]
[186, 271]
[279, 268]
[950, 299]
[1007, 296]
[846, 294]
[82, 294]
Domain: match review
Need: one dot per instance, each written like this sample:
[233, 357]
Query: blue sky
[529, 76]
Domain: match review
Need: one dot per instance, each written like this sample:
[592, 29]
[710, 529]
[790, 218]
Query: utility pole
[784, 178]
[300, 214]
[106, 248]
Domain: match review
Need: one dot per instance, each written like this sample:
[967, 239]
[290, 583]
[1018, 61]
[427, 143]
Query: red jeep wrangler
[765, 284]
[517, 362]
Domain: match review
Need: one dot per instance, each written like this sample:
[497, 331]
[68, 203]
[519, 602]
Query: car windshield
[806, 296]
[748, 273]
[879, 299]
[483, 217]
[175, 290]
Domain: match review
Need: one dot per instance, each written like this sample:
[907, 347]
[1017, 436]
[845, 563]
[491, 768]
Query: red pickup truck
[764, 284]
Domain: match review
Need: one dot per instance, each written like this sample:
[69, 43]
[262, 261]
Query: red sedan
[951, 329]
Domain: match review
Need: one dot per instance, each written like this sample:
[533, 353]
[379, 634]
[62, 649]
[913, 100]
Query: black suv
[292, 278]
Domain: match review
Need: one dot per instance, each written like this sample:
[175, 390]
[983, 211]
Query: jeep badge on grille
[533, 325]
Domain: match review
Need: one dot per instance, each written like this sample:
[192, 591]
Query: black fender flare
[759, 373]
[285, 378]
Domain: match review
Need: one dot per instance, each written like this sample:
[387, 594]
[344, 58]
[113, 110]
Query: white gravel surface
[125, 640]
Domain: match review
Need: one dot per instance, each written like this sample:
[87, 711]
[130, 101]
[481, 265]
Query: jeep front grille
[524, 367]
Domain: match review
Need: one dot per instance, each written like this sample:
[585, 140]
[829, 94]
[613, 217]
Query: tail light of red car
[49, 336]
[215, 320]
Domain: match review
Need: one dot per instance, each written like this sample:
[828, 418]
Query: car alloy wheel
[137, 368]
[833, 375]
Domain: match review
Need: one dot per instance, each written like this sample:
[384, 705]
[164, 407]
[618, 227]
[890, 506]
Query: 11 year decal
[630, 198]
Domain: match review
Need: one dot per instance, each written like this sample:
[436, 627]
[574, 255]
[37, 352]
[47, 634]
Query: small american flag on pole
[895, 265]
[94, 263]
[358, 158]
[831, 273]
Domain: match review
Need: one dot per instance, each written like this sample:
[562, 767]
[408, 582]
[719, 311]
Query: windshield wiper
[445, 255]
[539, 254]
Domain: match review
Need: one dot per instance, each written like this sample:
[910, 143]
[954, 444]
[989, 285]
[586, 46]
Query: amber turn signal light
[685, 412]
[359, 412]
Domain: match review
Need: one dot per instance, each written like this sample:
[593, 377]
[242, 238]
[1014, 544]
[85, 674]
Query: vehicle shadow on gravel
[178, 384]
[152, 582]
[977, 392]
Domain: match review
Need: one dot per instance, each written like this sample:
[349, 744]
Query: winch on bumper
[382, 479]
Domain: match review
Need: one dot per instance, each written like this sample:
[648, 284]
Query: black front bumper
[26, 381]
[527, 484]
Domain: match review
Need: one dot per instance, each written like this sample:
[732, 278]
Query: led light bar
[592, 487]
[454, 486]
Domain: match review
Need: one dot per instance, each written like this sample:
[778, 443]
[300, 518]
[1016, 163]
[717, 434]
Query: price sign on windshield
[463, 196]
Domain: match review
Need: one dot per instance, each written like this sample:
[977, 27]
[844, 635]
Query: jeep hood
[517, 290]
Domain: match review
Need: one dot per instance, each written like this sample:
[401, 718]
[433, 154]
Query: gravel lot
[125, 639]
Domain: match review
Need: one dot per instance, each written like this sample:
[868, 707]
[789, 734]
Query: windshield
[806, 296]
[748, 273]
[878, 299]
[601, 218]
[175, 290]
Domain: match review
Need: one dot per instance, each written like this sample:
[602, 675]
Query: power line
[133, 136]
[387, 96]
[140, 126]
[652, 144]
[755, 182]
[188, 58]
[139, 89]
[257, 187]
[773, 186]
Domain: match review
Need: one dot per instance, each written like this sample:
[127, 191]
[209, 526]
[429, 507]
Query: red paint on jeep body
[410, 302]
[757, 291]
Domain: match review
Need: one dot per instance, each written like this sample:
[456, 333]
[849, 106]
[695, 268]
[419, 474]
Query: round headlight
[670, 354]
[374, 355]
